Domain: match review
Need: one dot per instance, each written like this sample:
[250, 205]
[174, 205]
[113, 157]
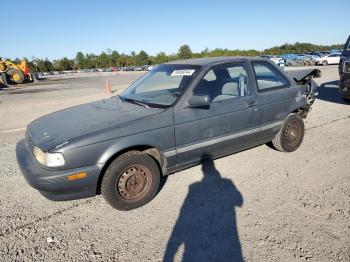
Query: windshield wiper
[135, 102]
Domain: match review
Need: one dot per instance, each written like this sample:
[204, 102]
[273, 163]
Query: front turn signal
[77, 176]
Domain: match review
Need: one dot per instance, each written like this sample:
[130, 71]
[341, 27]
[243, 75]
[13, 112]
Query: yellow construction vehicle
[12, 73]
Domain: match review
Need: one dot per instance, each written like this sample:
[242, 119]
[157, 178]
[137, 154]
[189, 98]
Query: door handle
[252, 104]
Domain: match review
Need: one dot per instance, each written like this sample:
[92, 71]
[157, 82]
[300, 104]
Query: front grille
[346, 66]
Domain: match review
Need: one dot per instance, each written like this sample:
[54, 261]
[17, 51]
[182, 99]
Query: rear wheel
[15, 75]
[131, 181]
[324, 63]
[290, 136]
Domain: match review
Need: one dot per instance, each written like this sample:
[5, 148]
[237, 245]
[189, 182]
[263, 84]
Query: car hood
[58, 128]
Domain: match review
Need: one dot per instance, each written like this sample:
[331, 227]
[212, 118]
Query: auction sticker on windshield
[183, 72]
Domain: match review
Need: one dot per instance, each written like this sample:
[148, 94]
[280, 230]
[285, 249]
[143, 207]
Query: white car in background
[149, 68]
[331, 59]
[276, 59]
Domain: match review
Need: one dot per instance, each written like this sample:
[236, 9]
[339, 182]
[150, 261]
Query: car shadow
[207, 224]
[329, 92]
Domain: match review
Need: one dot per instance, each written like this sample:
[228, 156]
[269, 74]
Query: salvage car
[164, 122]
[344, 72]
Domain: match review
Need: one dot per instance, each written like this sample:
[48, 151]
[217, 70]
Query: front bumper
[344, 85]
[53, 184]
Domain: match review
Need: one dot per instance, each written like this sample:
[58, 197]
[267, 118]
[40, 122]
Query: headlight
[48, 159]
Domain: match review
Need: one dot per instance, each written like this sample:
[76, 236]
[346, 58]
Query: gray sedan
[169, 119]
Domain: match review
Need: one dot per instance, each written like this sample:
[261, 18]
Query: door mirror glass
[199, 101]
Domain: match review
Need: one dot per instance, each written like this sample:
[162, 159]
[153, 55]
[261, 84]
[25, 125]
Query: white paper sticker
[183, 72]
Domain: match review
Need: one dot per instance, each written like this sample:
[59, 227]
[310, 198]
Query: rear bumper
[53, 184]
[344, 85]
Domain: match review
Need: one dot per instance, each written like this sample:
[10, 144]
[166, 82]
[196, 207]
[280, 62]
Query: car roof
[213, 60]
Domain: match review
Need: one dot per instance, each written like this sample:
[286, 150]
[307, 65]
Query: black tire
[131, 181]
[291, 134]
[324, 63]
[346, 99]
[19, 79]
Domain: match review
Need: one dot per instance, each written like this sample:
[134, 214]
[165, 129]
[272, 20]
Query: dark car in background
[168, 120]
[344, 71]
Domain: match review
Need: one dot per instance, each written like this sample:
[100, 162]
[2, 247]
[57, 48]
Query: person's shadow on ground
[207, 223]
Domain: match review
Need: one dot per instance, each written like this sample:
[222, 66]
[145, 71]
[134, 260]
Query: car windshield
[161, 86]
[347, 45]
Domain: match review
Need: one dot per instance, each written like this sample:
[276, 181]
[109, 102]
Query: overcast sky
[54, 29]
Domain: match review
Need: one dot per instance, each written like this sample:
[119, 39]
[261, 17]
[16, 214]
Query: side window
[224, 82]
[268, 78]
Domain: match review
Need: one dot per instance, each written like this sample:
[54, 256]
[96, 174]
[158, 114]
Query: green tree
[41, 65]
[184, 52]
[115, 58]
[80, 60]
[160, 58]
[103, 60]
[133, 56]
[65, 64]
[91, 61]
[142, 58]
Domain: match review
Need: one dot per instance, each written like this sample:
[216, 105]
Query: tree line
[112, 58]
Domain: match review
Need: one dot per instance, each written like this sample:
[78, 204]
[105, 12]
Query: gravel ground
[260, 204]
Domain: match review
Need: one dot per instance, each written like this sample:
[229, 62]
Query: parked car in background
[171, 118]
[137, 68]
[292, 60]
[335, 51]
[274, 58]
[115, 68]
[129, 68]
[314, 54]
[309, 59]
[144, 67]
[151, 67]
[344, 71]
[324, 53]
[331, 59]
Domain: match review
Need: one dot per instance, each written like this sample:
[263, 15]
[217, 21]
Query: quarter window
[268, 78]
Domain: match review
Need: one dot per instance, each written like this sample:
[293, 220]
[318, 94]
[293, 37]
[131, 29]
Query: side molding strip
[172, 152]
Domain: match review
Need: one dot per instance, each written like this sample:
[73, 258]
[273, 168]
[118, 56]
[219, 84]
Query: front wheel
[15, 75]
[131, 181]
[291, 134]
[324, 63]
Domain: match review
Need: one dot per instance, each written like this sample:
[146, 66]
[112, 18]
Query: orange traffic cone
[108, 88]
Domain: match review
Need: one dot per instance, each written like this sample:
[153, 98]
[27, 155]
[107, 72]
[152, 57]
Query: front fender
[100, 153]
[152, 143]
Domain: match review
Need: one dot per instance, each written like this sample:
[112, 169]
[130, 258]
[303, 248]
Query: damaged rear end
[308, 87]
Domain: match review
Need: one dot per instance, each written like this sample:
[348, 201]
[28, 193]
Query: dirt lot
[272, 206]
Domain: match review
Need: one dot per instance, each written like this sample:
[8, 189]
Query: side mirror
[199, 101]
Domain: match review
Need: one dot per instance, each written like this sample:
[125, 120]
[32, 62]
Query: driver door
[224, 126]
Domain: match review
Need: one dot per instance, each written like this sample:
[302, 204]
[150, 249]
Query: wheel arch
[147, 149]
